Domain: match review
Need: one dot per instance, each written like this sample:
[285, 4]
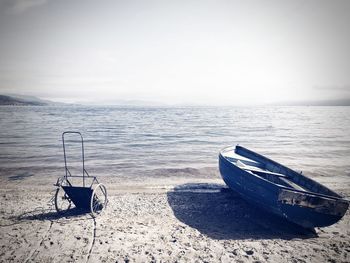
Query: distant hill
[339, 102]
[124, 103]
[9, 100]
[25, 100]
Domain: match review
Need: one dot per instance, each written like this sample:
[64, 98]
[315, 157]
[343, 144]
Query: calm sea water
[137, 140]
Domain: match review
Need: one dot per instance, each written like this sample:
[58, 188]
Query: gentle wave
[173, 141]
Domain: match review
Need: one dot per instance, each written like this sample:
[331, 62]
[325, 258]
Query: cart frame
[93, 197]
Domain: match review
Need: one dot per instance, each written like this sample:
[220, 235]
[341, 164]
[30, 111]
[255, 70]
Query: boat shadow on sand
[219, 213]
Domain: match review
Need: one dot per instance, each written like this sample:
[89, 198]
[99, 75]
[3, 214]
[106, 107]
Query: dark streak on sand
[35, 251]
[93, 239]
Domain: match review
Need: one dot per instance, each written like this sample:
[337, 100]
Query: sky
[176, 52]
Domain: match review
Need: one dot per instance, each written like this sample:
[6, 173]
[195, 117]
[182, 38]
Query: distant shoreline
[23, 100]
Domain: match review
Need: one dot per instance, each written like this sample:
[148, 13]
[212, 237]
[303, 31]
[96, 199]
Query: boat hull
[304, 209]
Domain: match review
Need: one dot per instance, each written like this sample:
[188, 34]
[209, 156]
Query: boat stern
[310, 210]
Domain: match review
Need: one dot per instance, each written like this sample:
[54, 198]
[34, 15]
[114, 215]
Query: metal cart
[85, 193]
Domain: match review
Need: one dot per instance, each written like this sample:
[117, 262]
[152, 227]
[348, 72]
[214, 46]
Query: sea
[134, 141]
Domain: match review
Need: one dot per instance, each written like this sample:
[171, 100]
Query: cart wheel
[62, 201]
[98, 200]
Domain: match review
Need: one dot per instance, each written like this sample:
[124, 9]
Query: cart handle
[82, 151]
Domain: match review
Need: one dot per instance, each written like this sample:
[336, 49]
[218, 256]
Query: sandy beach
[187, 216]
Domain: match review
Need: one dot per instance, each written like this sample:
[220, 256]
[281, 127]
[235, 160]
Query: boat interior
[274, 172]
[259, 170]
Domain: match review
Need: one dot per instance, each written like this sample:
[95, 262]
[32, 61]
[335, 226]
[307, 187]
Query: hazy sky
[203, 52]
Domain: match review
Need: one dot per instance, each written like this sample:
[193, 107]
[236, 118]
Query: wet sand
[185, 217]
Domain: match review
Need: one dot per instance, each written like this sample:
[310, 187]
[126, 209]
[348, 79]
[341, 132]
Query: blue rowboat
[279, 189]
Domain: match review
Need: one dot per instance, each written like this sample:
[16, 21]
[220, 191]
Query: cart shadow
[219, 213]
[48, 214]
